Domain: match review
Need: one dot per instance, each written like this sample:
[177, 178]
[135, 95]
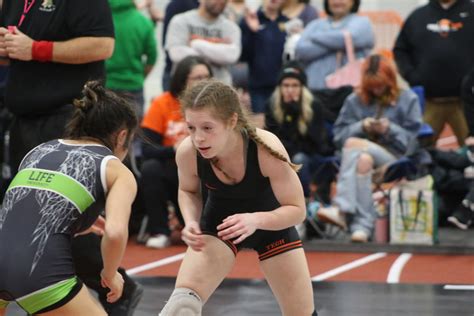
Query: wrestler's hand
[114, 283]
[97, 228]
[192, 236]
[18, 45]
[238, 226]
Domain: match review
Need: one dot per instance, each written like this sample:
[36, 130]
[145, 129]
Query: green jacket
[135, 47]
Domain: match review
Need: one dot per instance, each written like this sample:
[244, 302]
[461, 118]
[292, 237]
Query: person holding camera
[373, 129]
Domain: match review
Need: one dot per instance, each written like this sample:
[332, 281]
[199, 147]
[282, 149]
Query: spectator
[295, 117]
[207, 33]
[173, 8]
[53, 50]
[322, 40]
[164, 126]
[235, 11]
[460, 163]
[453, 176]
[300, 9]
[375, 126]
[134, 54]
[434, 49]
[263, 39]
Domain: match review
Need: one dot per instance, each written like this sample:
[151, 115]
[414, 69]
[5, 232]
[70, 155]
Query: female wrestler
[254, 200]
[60, 189]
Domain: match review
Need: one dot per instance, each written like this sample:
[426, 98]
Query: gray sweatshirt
[323, 38]
[405, 121]
[217, 41]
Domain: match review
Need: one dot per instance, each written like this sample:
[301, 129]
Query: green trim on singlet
[3, 304]
[46, 297]
[56, 182]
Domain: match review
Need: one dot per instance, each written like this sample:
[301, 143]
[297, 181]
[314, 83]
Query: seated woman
[164, 127]
[59, 191]
[375, 126]
[295, 117]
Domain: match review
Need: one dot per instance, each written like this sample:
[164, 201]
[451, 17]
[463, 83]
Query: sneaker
[126, 305]
[159, 241]
[359, 236]
[461, 218]
[332, 215]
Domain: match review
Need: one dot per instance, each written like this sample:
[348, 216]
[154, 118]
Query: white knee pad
[183, 302]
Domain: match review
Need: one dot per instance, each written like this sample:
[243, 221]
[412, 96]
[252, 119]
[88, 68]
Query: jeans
[354, 191]
[309, 165]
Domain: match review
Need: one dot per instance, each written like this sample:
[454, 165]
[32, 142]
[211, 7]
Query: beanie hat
[292, 69]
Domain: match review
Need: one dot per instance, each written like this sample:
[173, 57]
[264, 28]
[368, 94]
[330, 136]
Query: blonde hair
[306, 109]
[224, 102]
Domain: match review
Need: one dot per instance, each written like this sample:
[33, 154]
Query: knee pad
[183, 302]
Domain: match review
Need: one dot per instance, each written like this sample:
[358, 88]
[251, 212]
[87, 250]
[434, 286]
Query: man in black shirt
[435, 50]
[54, 47]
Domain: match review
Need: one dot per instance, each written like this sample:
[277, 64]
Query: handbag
[414, 213]
[350, 73]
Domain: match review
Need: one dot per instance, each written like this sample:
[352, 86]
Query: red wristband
[42, 51]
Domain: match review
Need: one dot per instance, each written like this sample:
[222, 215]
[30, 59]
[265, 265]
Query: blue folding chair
[425, 129]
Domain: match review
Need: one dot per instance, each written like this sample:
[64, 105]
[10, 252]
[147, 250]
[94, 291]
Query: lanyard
[26, 9]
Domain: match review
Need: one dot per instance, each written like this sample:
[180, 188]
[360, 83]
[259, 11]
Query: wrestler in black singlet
[252, 194]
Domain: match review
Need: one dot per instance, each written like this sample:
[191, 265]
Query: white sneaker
[159, 241]
[332, 215]
[359, 236]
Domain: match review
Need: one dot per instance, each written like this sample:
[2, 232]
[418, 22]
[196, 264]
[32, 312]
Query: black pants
[88, 262]
[28, 132]
[159, 184]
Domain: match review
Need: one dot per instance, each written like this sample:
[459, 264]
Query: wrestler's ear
[233, 120]
[122, 138]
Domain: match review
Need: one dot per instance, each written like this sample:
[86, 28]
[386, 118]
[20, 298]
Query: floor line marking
[397, 267]
[348, 266]
[156, 264]
[459, 287]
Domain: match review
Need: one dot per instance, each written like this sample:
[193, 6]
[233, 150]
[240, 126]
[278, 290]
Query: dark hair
[223, 101]
[99, 114]
[354, 9]
[181, 72]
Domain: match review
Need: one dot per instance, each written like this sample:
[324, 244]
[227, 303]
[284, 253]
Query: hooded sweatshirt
[435, 47]
[135, 47]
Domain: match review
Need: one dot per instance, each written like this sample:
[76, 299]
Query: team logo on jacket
[47, 6]
[444, 27]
